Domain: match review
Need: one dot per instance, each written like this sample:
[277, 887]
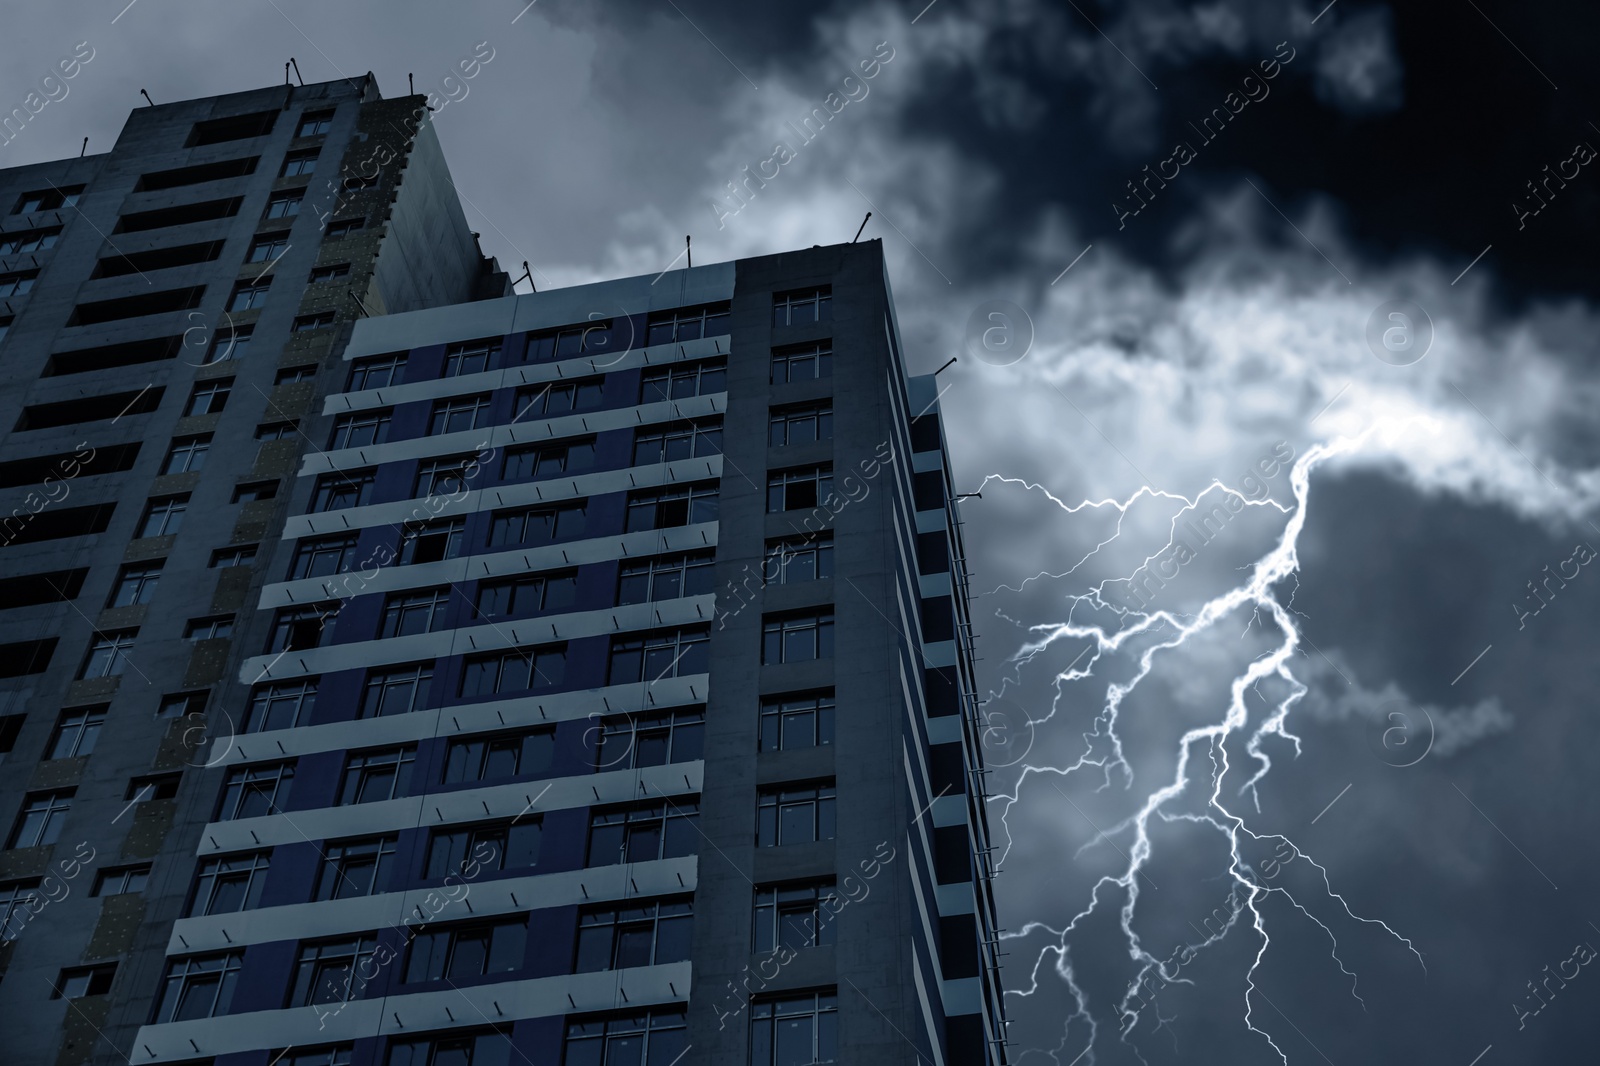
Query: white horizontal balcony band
[489, 636]
[550, 309]
[949, 809]
[420, 1012]
[527, 374]
[506, 434]
[525, 494]
[930, 585]
[498, 564]
[939, 653]
[963, 995]
[943, 729]
[956, 898]
[515, 713]
[450, 808]
[513, 895]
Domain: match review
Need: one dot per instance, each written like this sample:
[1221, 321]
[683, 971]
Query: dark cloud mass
[1193, 311]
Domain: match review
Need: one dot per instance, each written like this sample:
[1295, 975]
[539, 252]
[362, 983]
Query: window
[803, 721]
[80, 981]
[276, 430]
[444, 477]
[294, 375]
[325, 971]
[519, 597]
[687, 324]
[458, 414]
[665, 577]
[163, 516]
[793, 916]
[409, 613]
[472, 357]
[797, 638]
[374, 776]
[670, 653]
[802, 362]
[801, 307]
[153, 787]
[677, 440]
[283, 205]
[548, 460]
[432, 541]
[510, 845]
[344, 227]
[309, 625]
[499, 757]
[251, 491]
[10, 729]
[655, 1038]
[377, 372]
[789, 490]
[122, 880]
[795, 1029]
[41, 818]
[398, 690]
[297, 164]
[788, 562]
[361, 428]
[33, 240]
[794, 815]
[644, 833]
[17, 284]
[633, 741]
[465, 951]
[670, 508]
[314, 124]
[199, 986]
[186, 453]
[136, 584]
[352, 868]
[515, 670]
[181, 704]
[552, 400]
[336, 491]
[5, 325]
[255, 791]
[683, 380]
[323, 557]
[229, 344]
[332, 1055]
[209, 397]
[800, 424]
[642, 934]
[19, 900]
[267, 249]
[280, 705]
[229, 882]
[108, 655]
[304, 323]
[537, 525]
[331, 272]
[48, 199]
[236, 556]
[593, 339]
[75, 733]
[249, 295]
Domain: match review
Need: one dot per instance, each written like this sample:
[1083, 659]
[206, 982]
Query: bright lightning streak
[1103, 745]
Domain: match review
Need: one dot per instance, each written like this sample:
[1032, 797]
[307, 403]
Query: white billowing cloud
[1401, 731]
[1357, 68]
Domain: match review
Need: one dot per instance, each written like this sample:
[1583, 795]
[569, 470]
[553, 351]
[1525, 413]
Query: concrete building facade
[598, 691]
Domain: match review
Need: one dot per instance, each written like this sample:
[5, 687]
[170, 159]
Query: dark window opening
[106, 356]
[55, 524]
[140, 306]
[89, 409]
[111, 459]
[181, 215]
[115, 266]
[232, 128]
[26, 657]
[28, 590]
[180, 176]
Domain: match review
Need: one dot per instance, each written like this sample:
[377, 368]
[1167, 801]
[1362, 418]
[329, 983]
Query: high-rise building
[169, 311]
[605, 697]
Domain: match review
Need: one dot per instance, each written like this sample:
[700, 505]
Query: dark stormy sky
[1431, 159]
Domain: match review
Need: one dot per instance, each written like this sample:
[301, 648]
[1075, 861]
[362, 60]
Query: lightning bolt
[1159, 631]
